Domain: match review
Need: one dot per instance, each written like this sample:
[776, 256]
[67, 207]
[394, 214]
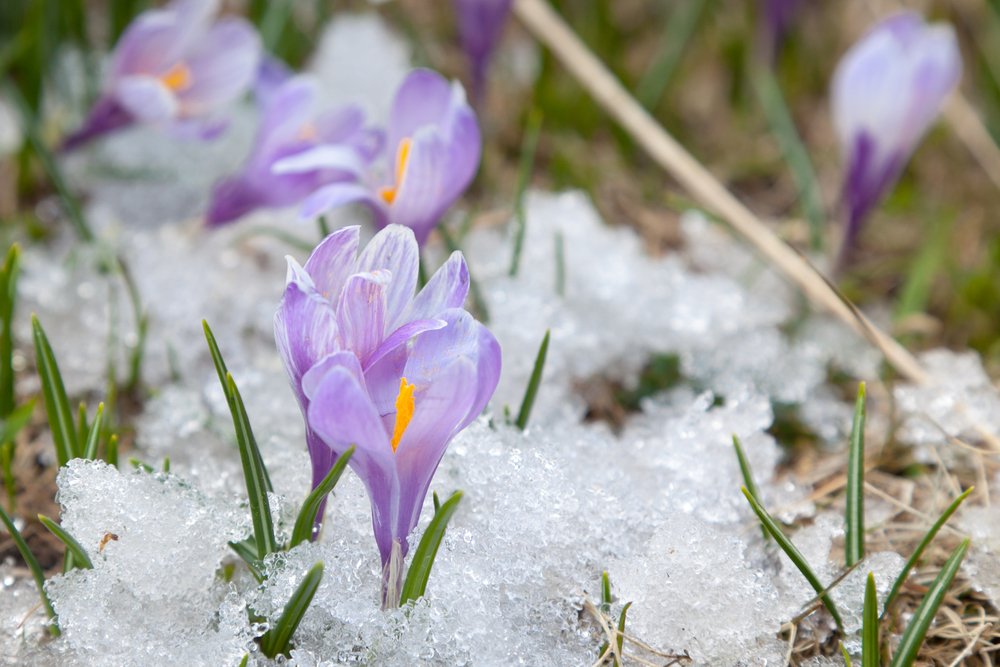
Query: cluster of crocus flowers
[432, 153]
[373, 365]
[480, 26]
[174, 65]
[323, 147]
[887, 90]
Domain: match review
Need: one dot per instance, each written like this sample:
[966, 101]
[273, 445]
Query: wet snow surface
[545, 511]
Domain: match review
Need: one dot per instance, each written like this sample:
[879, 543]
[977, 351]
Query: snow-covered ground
[545, 511]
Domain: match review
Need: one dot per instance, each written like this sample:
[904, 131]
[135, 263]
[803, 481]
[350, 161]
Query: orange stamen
[177, 77]
[404, 412]
[388, 194]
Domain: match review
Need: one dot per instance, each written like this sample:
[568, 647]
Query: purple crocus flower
[293, 131]
[174, 65]
[775, 21]
[374, 366]
[887, 90]
[480, 26]
[434, 146]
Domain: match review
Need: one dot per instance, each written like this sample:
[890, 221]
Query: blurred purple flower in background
[373, 366]
[480, 26]
[887, 90]
[292, 129]
[174, 65]
[434, 147]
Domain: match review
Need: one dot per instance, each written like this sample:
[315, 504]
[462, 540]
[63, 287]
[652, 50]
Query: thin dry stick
[550, 29]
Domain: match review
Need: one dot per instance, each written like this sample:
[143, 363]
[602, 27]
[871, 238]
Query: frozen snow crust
[545, 511]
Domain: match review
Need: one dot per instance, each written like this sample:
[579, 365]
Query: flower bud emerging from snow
[480, 25]
[887, 90]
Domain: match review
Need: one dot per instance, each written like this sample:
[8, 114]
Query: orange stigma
[177, 77]
[388, 194]
[404, 412]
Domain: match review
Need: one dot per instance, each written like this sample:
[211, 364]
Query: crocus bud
[887, 90]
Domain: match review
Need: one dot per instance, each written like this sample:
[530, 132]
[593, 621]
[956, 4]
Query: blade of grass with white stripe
[307, 515]
[80, 557]
[90, 449]
[913, 636]
[253, 474]
[222, 371]
[793, 554]
[919, 551]
[854, 538]
[247, 551]
[529, 144]
[423, 558]
[36, 570]
[871, 655]
[277, 639]
[56, 403]
[531, 391]
[8, 297]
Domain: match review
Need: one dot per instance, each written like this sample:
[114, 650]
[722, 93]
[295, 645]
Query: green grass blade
[307, 515]
[870, 644]
[919, 551]
[528, 146]
[747, 473]
[681, 26]
[8, 297]
[82, 429]
[793, 554]
[111, 453]
[220, 368]
[606, 598]
[32, 563]
[783, 128]
[277, 639]
[80, 557]
[621, 626]
[844, 654]
[913, 636]
[90, 449]
[531, 392]
[49, 165]
[247, 551]
[854, 538]
[56, 403]
[16, 420]
[253, 474]
[423, 558]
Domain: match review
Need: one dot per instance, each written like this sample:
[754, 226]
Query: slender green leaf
[303, 529]
[919, 551]
[80, 557]
[166, 464]
[796, 156]
[16, 420]
[247, 551]
[139, 465]
[437, 501]
[913, 636]
[621, 626]
[793, 554]
[423, 558]
[82, 428]
[220, 368]
[748, 480]
[871, 655]
[277, 639]
[681, 26]
[606, 598]
[8, 297]
[32, 563]
[49, 165]
[245, 660]
[253, 474]
[528, 145]
[56, 403]
[90, 450]
[854, 538]
[845, 655]
[531, 392]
